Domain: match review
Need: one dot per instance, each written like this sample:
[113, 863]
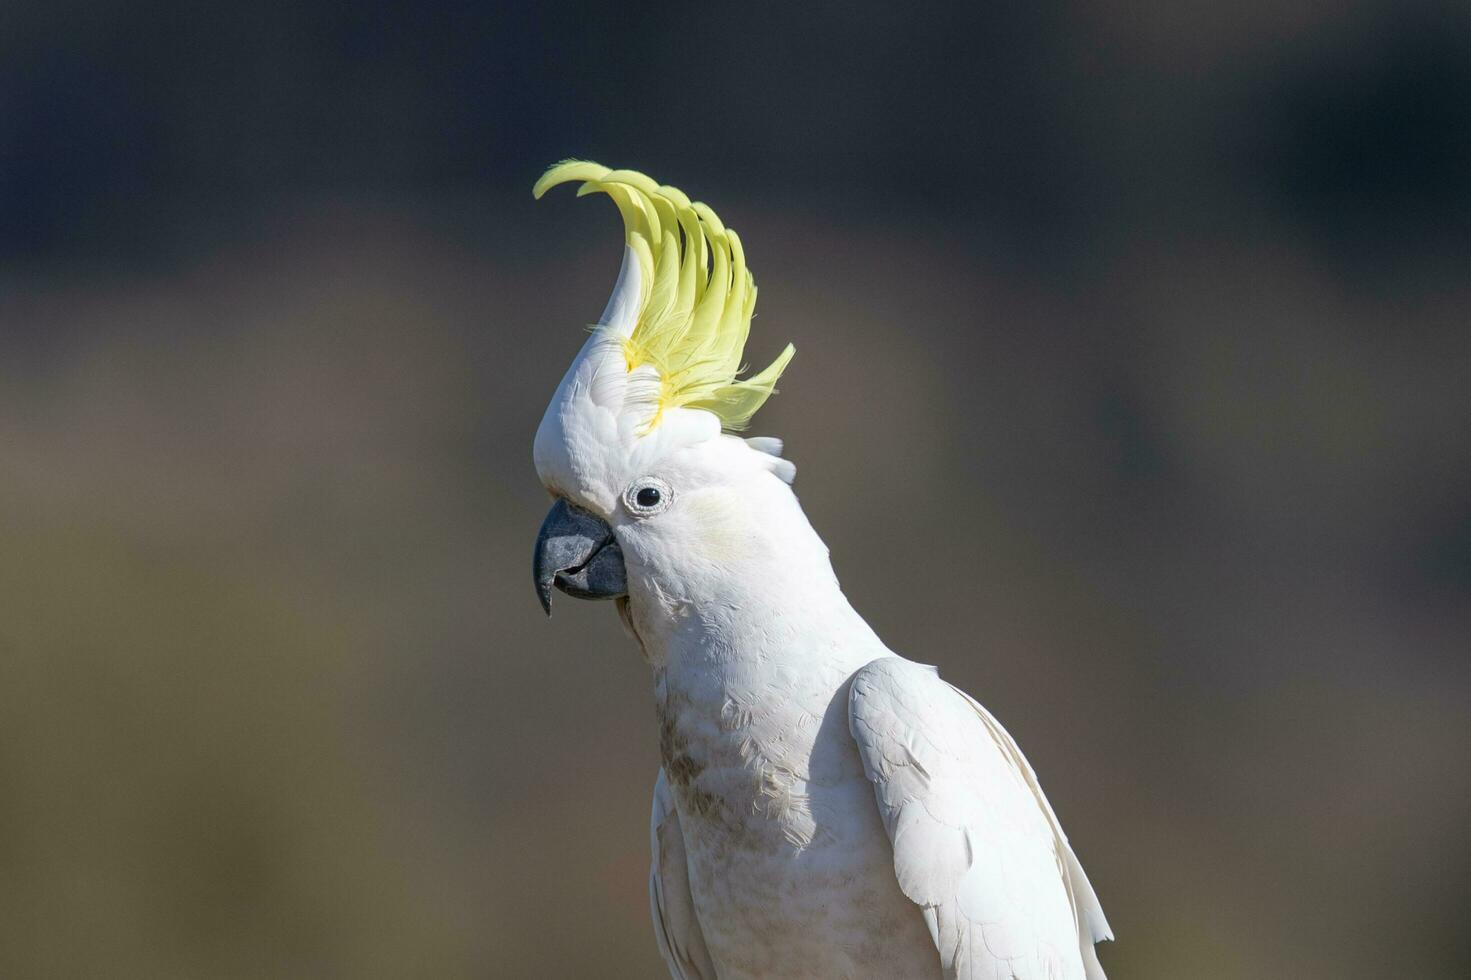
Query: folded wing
[976, 844]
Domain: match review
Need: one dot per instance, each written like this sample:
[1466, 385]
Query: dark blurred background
[1156, 313]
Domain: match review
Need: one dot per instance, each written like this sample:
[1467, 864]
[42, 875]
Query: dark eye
[647, 496]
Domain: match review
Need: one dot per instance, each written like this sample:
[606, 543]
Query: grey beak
[576, 552]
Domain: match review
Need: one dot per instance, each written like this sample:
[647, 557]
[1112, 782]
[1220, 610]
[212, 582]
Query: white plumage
[976, 844]
[825, 808]
[828, 809]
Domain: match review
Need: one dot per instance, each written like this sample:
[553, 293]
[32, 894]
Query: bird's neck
[773, 603]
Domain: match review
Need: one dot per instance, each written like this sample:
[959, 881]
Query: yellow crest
[695, 294]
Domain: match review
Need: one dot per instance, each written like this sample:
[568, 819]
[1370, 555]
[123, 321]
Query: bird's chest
[789, 865]
[753, 759]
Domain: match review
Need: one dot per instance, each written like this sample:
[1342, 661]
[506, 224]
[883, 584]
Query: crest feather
[696, 295]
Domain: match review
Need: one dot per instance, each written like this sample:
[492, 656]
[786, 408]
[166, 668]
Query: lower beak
[576, 552]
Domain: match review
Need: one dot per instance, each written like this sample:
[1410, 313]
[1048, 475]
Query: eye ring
[647, 496]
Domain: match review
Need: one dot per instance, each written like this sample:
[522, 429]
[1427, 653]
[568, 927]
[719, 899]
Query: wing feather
[976, 844]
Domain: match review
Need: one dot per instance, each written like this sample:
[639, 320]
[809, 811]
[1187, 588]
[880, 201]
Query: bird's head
[652, 487]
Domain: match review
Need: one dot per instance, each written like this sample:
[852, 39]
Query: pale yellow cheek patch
[719, 523]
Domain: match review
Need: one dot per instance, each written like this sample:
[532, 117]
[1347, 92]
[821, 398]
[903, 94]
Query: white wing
[676, 928]
[976, 844]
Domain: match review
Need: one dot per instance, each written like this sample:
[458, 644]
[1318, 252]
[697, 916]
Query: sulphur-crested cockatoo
[825, 808]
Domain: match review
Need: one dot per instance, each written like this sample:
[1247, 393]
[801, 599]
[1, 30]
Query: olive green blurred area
[1133, 389]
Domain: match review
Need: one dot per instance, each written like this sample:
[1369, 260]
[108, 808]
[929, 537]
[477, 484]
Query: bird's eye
[647, 497]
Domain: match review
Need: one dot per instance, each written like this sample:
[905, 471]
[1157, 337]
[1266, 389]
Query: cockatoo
[825, 808]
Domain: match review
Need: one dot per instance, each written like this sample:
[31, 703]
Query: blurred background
[1156, 313]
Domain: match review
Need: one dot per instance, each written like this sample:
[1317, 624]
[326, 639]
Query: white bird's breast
[789, 866]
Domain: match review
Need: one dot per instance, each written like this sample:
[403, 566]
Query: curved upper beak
[576, 552]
